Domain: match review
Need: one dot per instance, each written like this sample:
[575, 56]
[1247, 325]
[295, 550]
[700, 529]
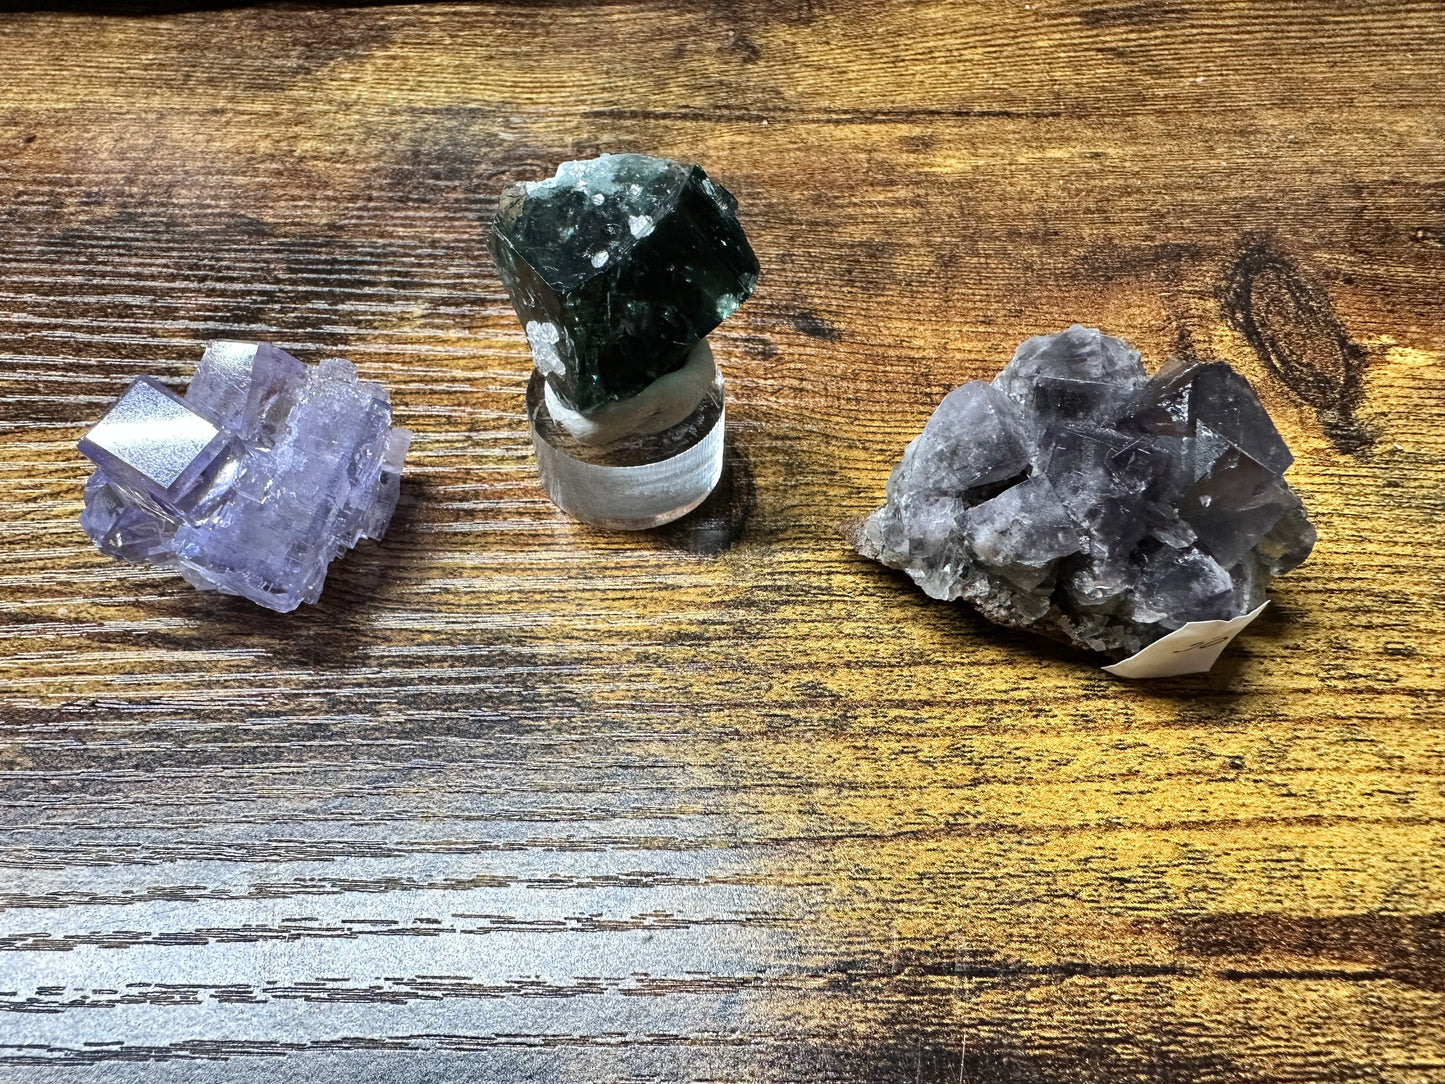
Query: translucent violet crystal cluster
[1078, 497]
[254, 481]
[618, 266]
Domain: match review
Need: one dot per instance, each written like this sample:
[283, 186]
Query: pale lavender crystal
[266, 471]
[1077, 497]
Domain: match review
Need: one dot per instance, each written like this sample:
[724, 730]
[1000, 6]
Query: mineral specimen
[1077, 497]
[254, 482]
[617, 267]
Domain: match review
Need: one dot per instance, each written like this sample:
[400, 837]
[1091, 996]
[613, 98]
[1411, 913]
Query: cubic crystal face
[265, 472]
[1077, 497]
[617, 267]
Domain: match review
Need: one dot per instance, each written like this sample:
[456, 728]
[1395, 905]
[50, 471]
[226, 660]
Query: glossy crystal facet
[618, 266]
[251, 484]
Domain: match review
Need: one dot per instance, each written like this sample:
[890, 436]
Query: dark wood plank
[523, 800]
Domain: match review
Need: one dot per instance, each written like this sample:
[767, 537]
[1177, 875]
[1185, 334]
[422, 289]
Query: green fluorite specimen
[617, 267]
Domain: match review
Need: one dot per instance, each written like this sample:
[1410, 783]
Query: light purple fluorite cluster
[1077, 497]
[266, 471]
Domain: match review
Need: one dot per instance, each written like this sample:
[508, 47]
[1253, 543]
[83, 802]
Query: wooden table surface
[523, 800]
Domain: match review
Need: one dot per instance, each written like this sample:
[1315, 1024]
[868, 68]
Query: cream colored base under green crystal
[662, 404]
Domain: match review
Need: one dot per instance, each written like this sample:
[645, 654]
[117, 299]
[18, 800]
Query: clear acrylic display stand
[638, 481]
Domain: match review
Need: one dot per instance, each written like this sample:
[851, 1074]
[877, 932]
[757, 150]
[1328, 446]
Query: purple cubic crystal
[1077, 497]
[254, 482]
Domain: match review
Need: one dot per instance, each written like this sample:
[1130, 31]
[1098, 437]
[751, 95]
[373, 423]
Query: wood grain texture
[521, 800]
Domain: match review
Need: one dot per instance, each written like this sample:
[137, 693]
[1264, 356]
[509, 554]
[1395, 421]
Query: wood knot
[1290, 324]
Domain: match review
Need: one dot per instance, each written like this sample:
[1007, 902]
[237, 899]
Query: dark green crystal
[617, 267]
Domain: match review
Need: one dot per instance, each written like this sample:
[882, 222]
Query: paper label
[1189, 649]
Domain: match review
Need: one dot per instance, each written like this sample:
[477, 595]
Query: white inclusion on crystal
[640, 225]
[634, 190]
[598, 198]
[727, 304]
[599, 258]
[543, 336]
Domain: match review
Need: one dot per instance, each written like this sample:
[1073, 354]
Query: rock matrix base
[1077, 497]
[253, 483]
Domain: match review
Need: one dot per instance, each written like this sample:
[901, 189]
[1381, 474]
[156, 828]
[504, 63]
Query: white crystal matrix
[254, 482]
